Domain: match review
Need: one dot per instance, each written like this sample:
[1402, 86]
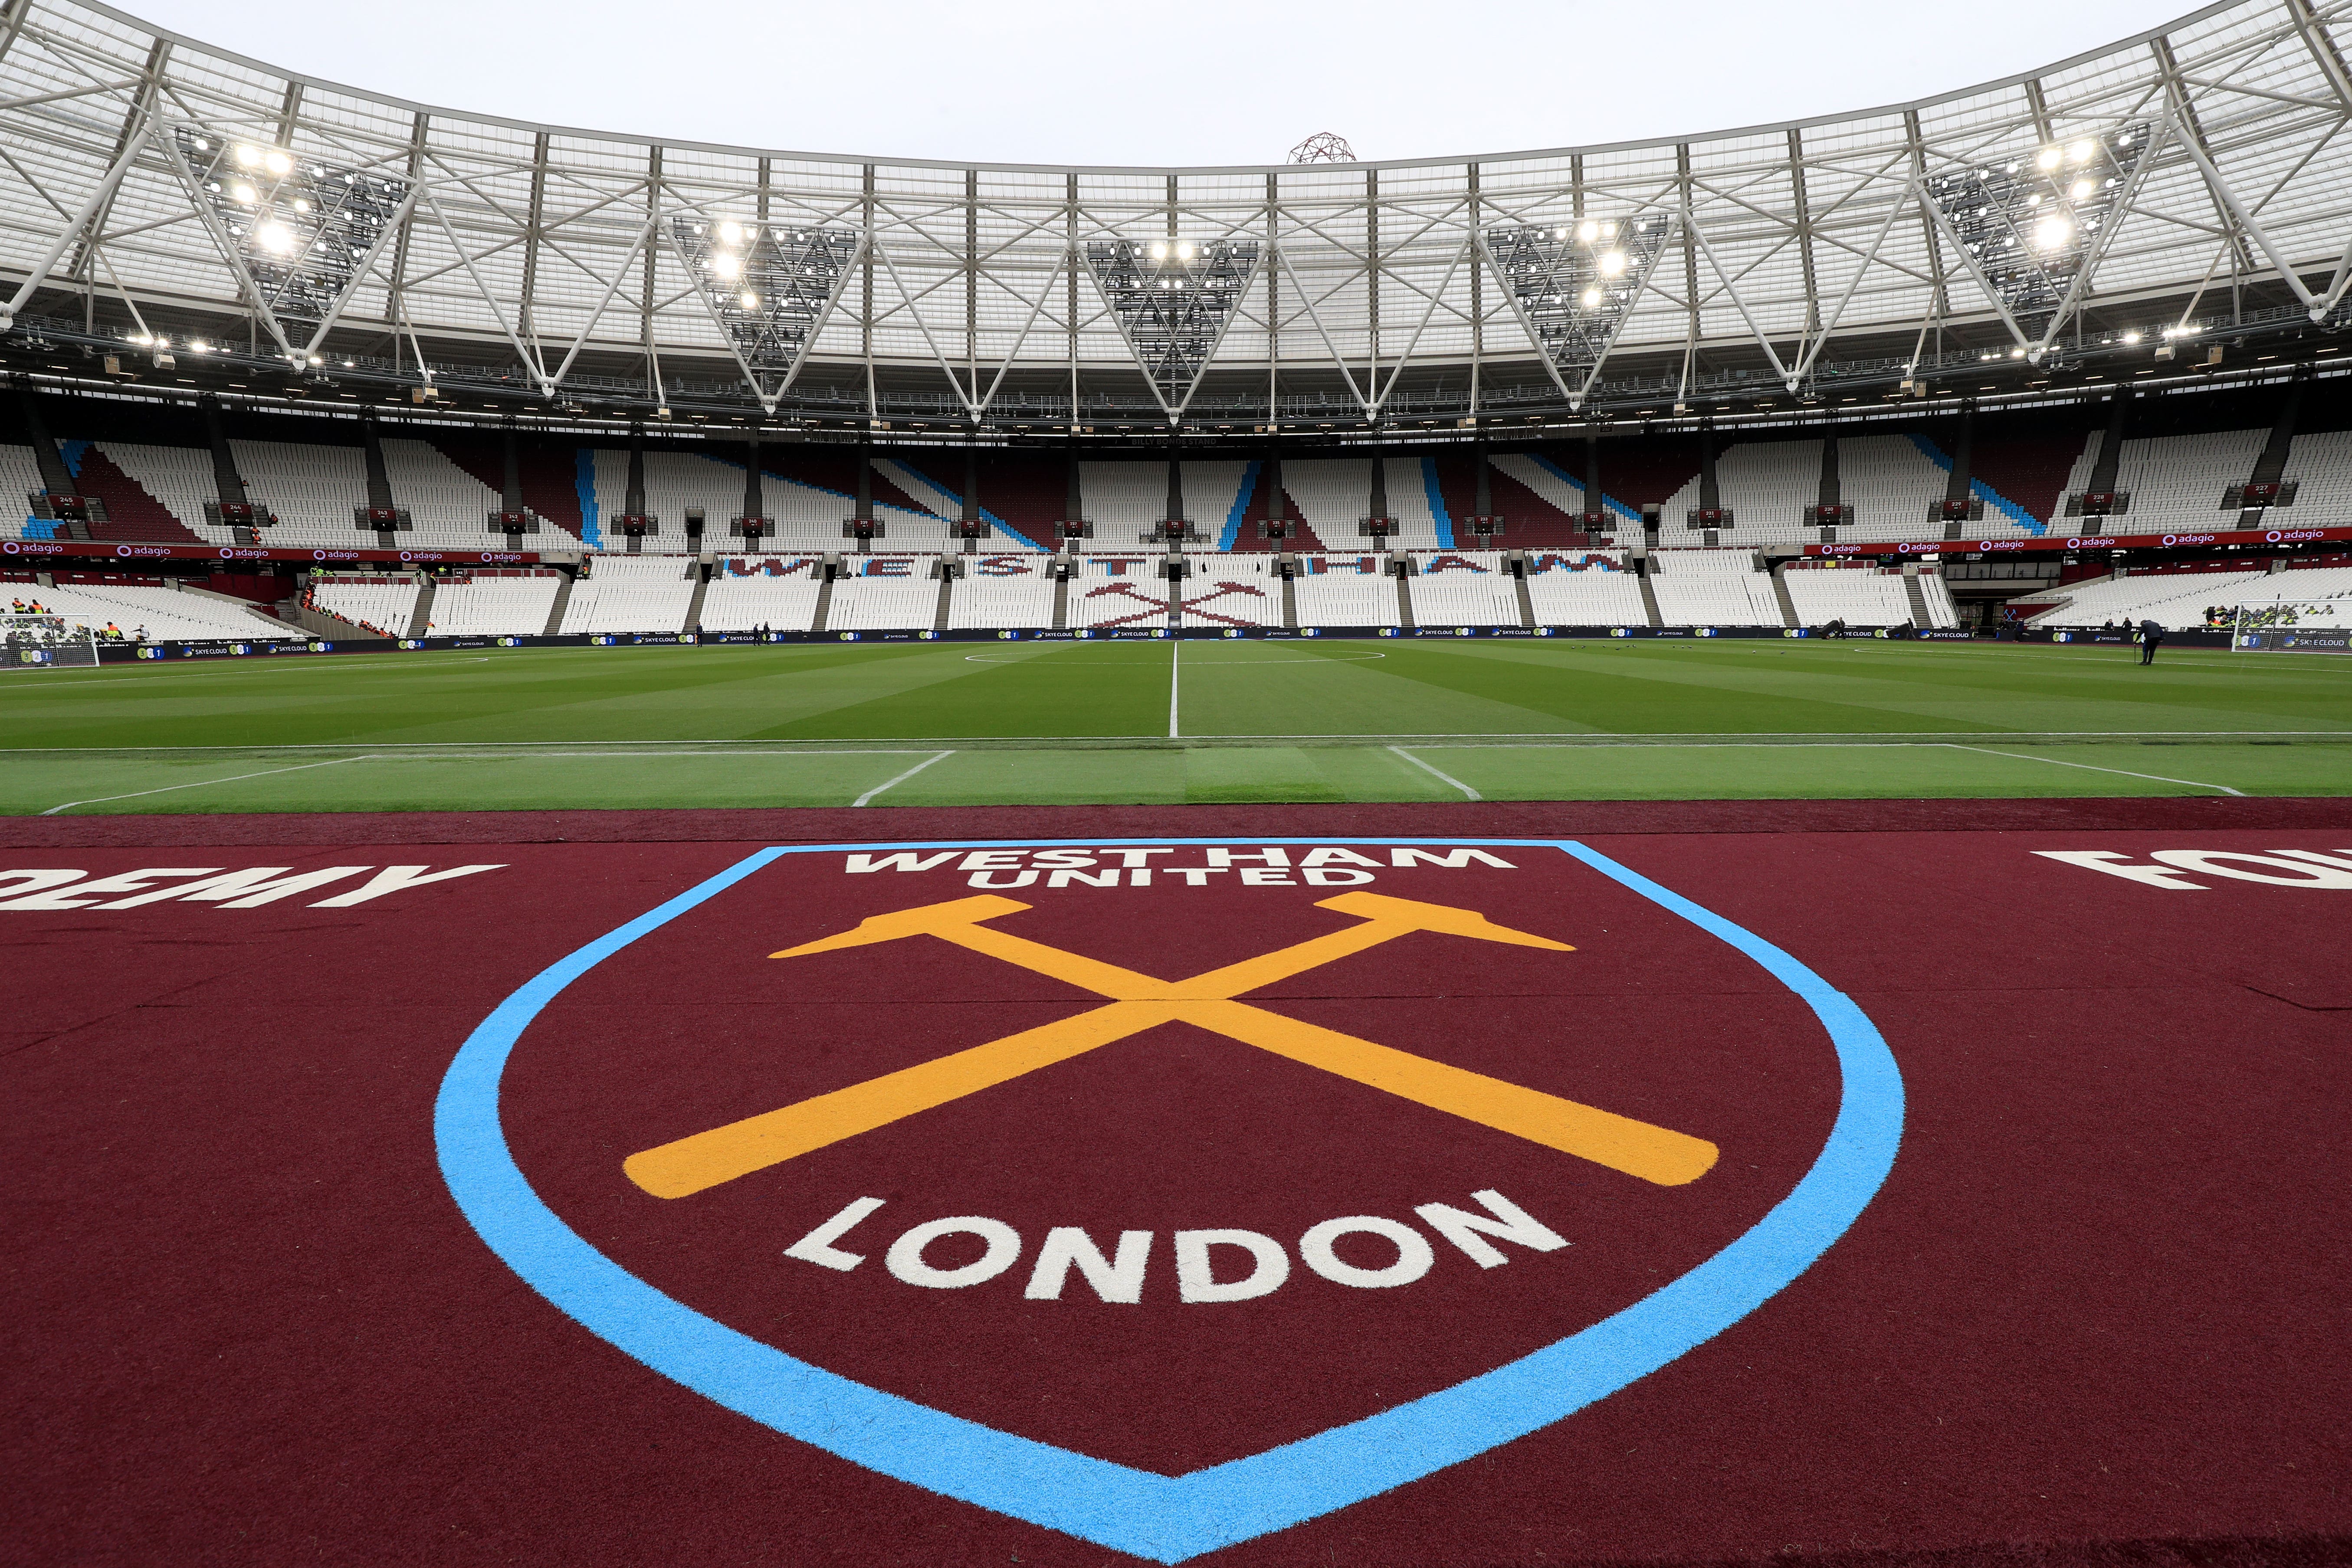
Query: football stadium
[653, 792]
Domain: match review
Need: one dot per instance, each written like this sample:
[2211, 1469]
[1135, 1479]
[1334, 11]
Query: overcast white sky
[1180, 81]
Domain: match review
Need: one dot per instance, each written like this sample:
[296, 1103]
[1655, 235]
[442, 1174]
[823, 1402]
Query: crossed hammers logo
[1139, 1002]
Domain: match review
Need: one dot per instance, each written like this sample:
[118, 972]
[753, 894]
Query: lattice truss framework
[557, 245]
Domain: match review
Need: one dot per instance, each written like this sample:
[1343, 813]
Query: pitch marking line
[902, 778]
[509, 757]
[197, 671]
[134, 795]
[1467, 792]
[2061, 762]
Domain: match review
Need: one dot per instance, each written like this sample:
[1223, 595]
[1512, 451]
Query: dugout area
[1668, 1182]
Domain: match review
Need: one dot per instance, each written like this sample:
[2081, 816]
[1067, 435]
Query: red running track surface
[2094, 1316]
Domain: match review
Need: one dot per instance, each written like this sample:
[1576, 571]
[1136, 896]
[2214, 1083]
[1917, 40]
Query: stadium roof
[154, 186]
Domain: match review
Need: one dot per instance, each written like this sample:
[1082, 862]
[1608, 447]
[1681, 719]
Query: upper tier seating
[20, 476]
[1123, 501]
[778, 592]
[2177, 481]
[1215, 496]
[2321, 467]
[181, 479]
[1583, 588]
[1766, 485]
[494, 606]
[168, 614]
[1858, 596]
[1464, 589]
[631, 594]
[999, 592]
[884, 593]
[1894, 487]
[312, 491]
[1344, 590]
[449, 507]
[1712, 588]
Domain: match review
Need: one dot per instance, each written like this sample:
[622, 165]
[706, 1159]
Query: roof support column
[1477, 313]
[865, 306]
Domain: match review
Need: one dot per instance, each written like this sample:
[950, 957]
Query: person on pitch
[2151, 633]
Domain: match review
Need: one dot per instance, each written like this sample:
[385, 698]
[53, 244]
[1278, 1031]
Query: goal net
[46, 642]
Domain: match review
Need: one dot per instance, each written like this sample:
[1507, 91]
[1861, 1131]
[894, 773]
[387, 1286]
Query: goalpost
[46, 642]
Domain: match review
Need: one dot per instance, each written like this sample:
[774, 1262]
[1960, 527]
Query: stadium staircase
[2271, 467]
[823, 606]
[1919, 597]
[562, 602]
[1404, 597]
[1780, 592]
[420, 620]
[1062, 603]
[1526, 600]
[56, 478]
[947, 596]
[1650, 594]
[227, 480]
[694, 602]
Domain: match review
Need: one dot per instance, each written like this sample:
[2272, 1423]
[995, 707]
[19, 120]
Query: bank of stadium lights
[2029, 225]
[302, 230]
[768, 286]
[1576, 283]
[1172, 298]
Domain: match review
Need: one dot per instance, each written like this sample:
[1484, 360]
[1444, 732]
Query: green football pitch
[1060, 722]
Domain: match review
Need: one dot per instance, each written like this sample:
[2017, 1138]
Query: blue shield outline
[1167, 1518]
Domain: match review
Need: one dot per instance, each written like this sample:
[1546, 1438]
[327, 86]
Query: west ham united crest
[1164, 1193]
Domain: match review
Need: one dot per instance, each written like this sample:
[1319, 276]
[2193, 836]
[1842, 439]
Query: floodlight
[316, 360]
[245, 194]
[1592, 297]
[2131, 337]
[2048, 159]
[730, 233]
[728, 266]
[2017, 354]
[247, 157]
[2083, 151]
[198, 346]
[2080, 189]
[1559, 234]
[2052, 232]
[1612, 262]
[274, 237]
[748, 300]
[1184, 250]
[202, 145]
[1159, 251]
[279, 164]
[301, 206]
[1608, 231]
[1588, 231]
